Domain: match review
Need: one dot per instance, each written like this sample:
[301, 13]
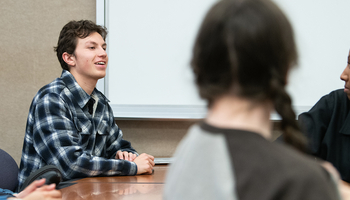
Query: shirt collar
[79, 94]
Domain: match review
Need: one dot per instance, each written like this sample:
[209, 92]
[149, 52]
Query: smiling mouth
[101, 63]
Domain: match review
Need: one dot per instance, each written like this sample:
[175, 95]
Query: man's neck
[88, 85]
[238, 113]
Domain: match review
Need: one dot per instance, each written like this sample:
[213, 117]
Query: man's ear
[69, 59]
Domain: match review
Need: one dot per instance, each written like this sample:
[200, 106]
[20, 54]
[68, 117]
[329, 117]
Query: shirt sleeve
[4, 194]
[115, 141]
[57, 141]
[315, 122]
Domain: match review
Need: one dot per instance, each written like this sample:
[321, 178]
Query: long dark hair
[249, 45]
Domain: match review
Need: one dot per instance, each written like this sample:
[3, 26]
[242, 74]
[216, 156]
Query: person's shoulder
[51, 90]
[339, 93]
[301, 171]
[333, 102]
[270, 157]
[290, 155]
[299, 166]
[200, 133]
[193, 136]
[198, 143]
[332, 98]
[336, 99]
[200, 159]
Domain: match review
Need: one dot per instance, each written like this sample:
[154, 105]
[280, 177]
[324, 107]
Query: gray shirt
[200, 169]
[214, 163]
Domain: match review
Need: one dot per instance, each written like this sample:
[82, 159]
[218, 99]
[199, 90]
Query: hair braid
[283, 106]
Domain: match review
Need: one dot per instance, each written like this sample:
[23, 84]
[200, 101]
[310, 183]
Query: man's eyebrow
[94, 43]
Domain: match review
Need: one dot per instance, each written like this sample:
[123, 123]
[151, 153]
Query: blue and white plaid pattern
[5, 193]
[60, 131]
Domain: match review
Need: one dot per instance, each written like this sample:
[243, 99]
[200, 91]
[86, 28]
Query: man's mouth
[100, 63]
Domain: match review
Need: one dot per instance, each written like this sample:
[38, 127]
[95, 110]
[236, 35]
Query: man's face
[90, 59]
[345, 77]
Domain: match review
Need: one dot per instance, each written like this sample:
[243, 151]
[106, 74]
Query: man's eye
[91, 47]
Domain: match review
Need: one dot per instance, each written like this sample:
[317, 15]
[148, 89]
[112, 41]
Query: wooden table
[118, 187]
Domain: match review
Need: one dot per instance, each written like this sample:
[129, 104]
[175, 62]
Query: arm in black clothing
[315, 122]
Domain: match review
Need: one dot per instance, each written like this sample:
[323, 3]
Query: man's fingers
[150, 169]
[120, 155]
[30, 188]
[126, 155]
[47, 187]
[37, 183]
[152, 162]
[131, 157]
[151, 157]
[144, 164]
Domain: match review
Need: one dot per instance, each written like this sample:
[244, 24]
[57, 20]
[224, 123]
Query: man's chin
[101, 75]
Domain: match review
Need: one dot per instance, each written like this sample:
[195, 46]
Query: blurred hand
[38, 191]
[332, 170]
[31, 188]
[44, 195]
[344, 189]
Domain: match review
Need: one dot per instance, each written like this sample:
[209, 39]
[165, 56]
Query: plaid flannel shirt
[60, 131]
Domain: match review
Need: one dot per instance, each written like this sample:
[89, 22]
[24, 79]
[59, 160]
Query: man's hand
[124, 155]
[144, 163]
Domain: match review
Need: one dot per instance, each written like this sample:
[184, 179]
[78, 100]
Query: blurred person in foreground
[241, 59]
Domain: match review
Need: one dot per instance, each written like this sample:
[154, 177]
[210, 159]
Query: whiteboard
[150, 44]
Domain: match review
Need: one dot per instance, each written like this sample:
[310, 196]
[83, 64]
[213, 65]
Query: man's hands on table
[144, 162]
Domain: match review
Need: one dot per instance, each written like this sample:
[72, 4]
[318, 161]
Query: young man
[70, 123]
